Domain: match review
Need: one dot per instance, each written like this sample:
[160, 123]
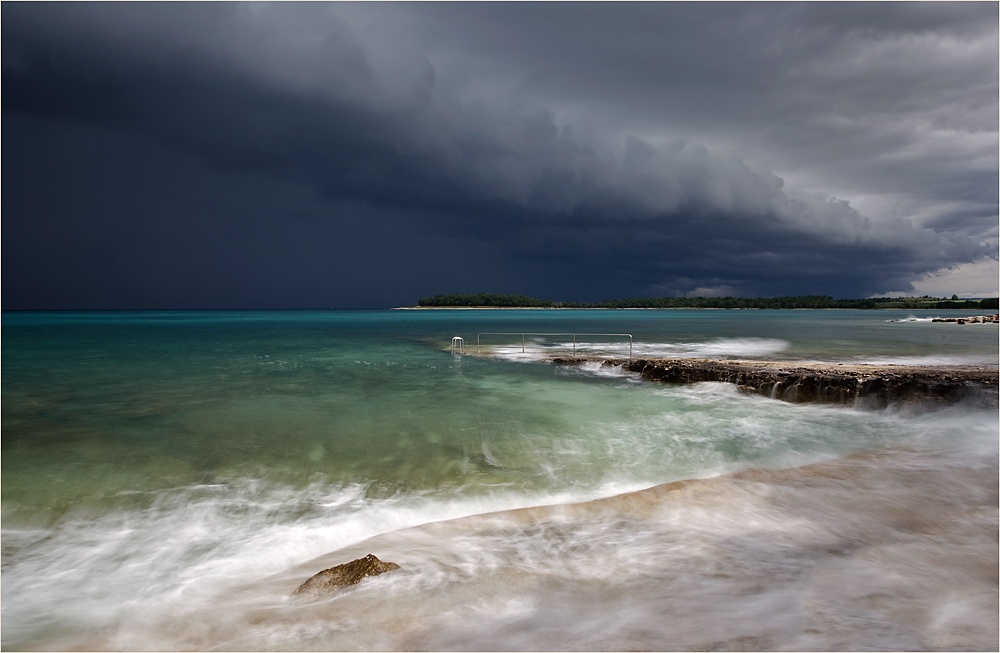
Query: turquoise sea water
[156, 463]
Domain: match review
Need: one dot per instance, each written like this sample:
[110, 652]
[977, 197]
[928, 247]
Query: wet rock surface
[350, 573]
[974, 319]
[872, 385]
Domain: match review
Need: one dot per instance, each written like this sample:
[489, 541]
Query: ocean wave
[722, 348]
[744, 558]
[914, 318]
[193, 543]
[914, 361]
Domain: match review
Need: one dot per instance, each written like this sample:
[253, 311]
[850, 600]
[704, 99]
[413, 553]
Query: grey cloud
[848, 96]
[619, 149]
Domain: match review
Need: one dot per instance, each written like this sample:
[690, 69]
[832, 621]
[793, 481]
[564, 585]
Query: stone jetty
[873, 386]
[972, 319]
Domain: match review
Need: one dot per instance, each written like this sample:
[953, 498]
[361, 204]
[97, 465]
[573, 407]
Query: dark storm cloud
[316, 154]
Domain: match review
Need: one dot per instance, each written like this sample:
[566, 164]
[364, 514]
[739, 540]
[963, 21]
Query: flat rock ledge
[975, 319]
[345, 575]
[873, 386]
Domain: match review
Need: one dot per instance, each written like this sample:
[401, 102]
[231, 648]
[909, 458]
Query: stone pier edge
[873, 386]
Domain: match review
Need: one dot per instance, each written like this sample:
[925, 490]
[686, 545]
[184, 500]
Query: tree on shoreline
[805, 301]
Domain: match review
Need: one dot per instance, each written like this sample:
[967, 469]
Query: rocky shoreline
[972, 319]
[872, 386]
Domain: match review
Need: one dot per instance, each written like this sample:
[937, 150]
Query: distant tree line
[805, 301]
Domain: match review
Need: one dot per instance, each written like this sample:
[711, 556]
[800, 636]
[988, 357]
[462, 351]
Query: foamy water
[890, 550]
[154, 500]
[931, 318]
[922, 361]
[538, 348]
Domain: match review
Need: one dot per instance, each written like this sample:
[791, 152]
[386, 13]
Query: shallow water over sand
[893, 551]
[169, 479]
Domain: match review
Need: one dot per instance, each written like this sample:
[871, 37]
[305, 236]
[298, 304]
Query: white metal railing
[523, 334]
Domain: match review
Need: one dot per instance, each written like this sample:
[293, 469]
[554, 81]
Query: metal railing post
[525, 334]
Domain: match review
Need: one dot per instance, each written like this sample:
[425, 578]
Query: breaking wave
[721, 348]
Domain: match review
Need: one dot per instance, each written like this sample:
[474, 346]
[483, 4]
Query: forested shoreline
[804, 301]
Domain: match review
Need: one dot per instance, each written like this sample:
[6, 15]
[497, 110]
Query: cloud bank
[223, 155]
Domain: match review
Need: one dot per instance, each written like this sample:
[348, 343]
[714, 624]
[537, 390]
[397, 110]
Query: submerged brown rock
[872, 385]
[350, 573]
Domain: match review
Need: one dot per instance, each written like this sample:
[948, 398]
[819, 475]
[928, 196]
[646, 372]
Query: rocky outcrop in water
[870, 385]
[973, 319]
[345, 575]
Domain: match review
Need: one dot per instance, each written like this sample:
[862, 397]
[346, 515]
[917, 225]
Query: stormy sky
[227, 155]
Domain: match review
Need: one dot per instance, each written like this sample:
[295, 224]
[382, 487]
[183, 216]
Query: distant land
[489, 300]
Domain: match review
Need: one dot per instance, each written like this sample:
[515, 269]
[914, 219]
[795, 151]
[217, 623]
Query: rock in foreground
[345, 575]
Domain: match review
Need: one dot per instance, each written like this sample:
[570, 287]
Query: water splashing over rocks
[870, 386]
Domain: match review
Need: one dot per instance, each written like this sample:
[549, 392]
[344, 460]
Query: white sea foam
[916, 361]
[716, 348]
[539, 349]
[914, 318]
[176, 573]
[929, 361]
[595, 368]
[796, 561]
[924, 318]
[194, 542]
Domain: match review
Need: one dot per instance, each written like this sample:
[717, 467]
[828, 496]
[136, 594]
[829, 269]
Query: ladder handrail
[529, 333]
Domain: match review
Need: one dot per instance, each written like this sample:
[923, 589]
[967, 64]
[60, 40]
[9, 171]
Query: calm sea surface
[168, 478]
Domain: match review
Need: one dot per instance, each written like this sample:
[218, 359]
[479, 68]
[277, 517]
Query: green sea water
[154, 460]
